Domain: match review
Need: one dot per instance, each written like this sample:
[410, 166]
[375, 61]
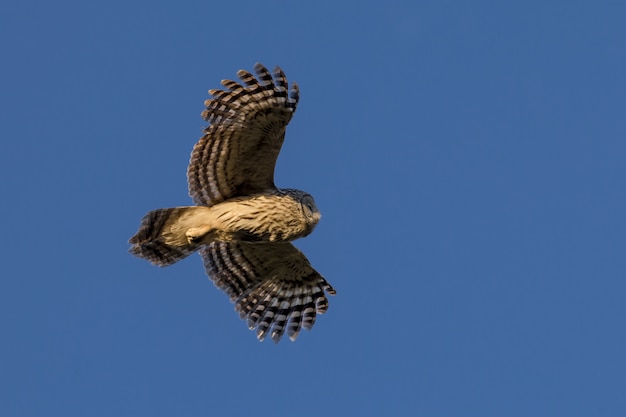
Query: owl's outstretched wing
[273, 285]
[238, 152]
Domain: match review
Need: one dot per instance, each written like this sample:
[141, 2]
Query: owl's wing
[238, 152]
[273, 285]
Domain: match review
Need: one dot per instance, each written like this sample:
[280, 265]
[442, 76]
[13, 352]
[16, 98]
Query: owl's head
[309, 209]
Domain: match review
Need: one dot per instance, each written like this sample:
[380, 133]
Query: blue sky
[468, 159]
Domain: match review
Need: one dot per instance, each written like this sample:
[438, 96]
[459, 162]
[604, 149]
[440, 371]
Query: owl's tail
[162, 239]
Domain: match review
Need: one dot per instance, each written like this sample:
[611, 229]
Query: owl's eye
[309, 204]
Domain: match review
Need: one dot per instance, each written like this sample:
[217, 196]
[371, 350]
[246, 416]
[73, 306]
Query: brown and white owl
[242, 224]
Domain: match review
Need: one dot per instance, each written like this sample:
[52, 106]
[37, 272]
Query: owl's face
[310, 210]
[310, 213]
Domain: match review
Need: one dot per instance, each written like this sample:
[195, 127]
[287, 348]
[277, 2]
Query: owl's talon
[195, 233]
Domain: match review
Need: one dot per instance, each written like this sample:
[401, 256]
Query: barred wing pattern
[272, 284]
[238, 152]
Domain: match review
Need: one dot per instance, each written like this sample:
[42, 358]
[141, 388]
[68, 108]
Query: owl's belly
[260, 218]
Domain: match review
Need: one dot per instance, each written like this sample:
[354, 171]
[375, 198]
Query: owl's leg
[194, 234]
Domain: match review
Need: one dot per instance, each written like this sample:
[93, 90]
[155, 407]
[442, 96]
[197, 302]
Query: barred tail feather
[161, 237]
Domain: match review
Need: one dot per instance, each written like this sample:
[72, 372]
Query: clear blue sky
[469, 160]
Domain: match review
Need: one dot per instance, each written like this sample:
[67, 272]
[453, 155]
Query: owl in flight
[242, 224]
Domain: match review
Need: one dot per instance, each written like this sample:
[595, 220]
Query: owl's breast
[262, 218]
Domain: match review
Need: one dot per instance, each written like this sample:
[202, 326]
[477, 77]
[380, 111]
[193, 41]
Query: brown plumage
[242, 224]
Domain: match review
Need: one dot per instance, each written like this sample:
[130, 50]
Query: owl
[242, 224]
